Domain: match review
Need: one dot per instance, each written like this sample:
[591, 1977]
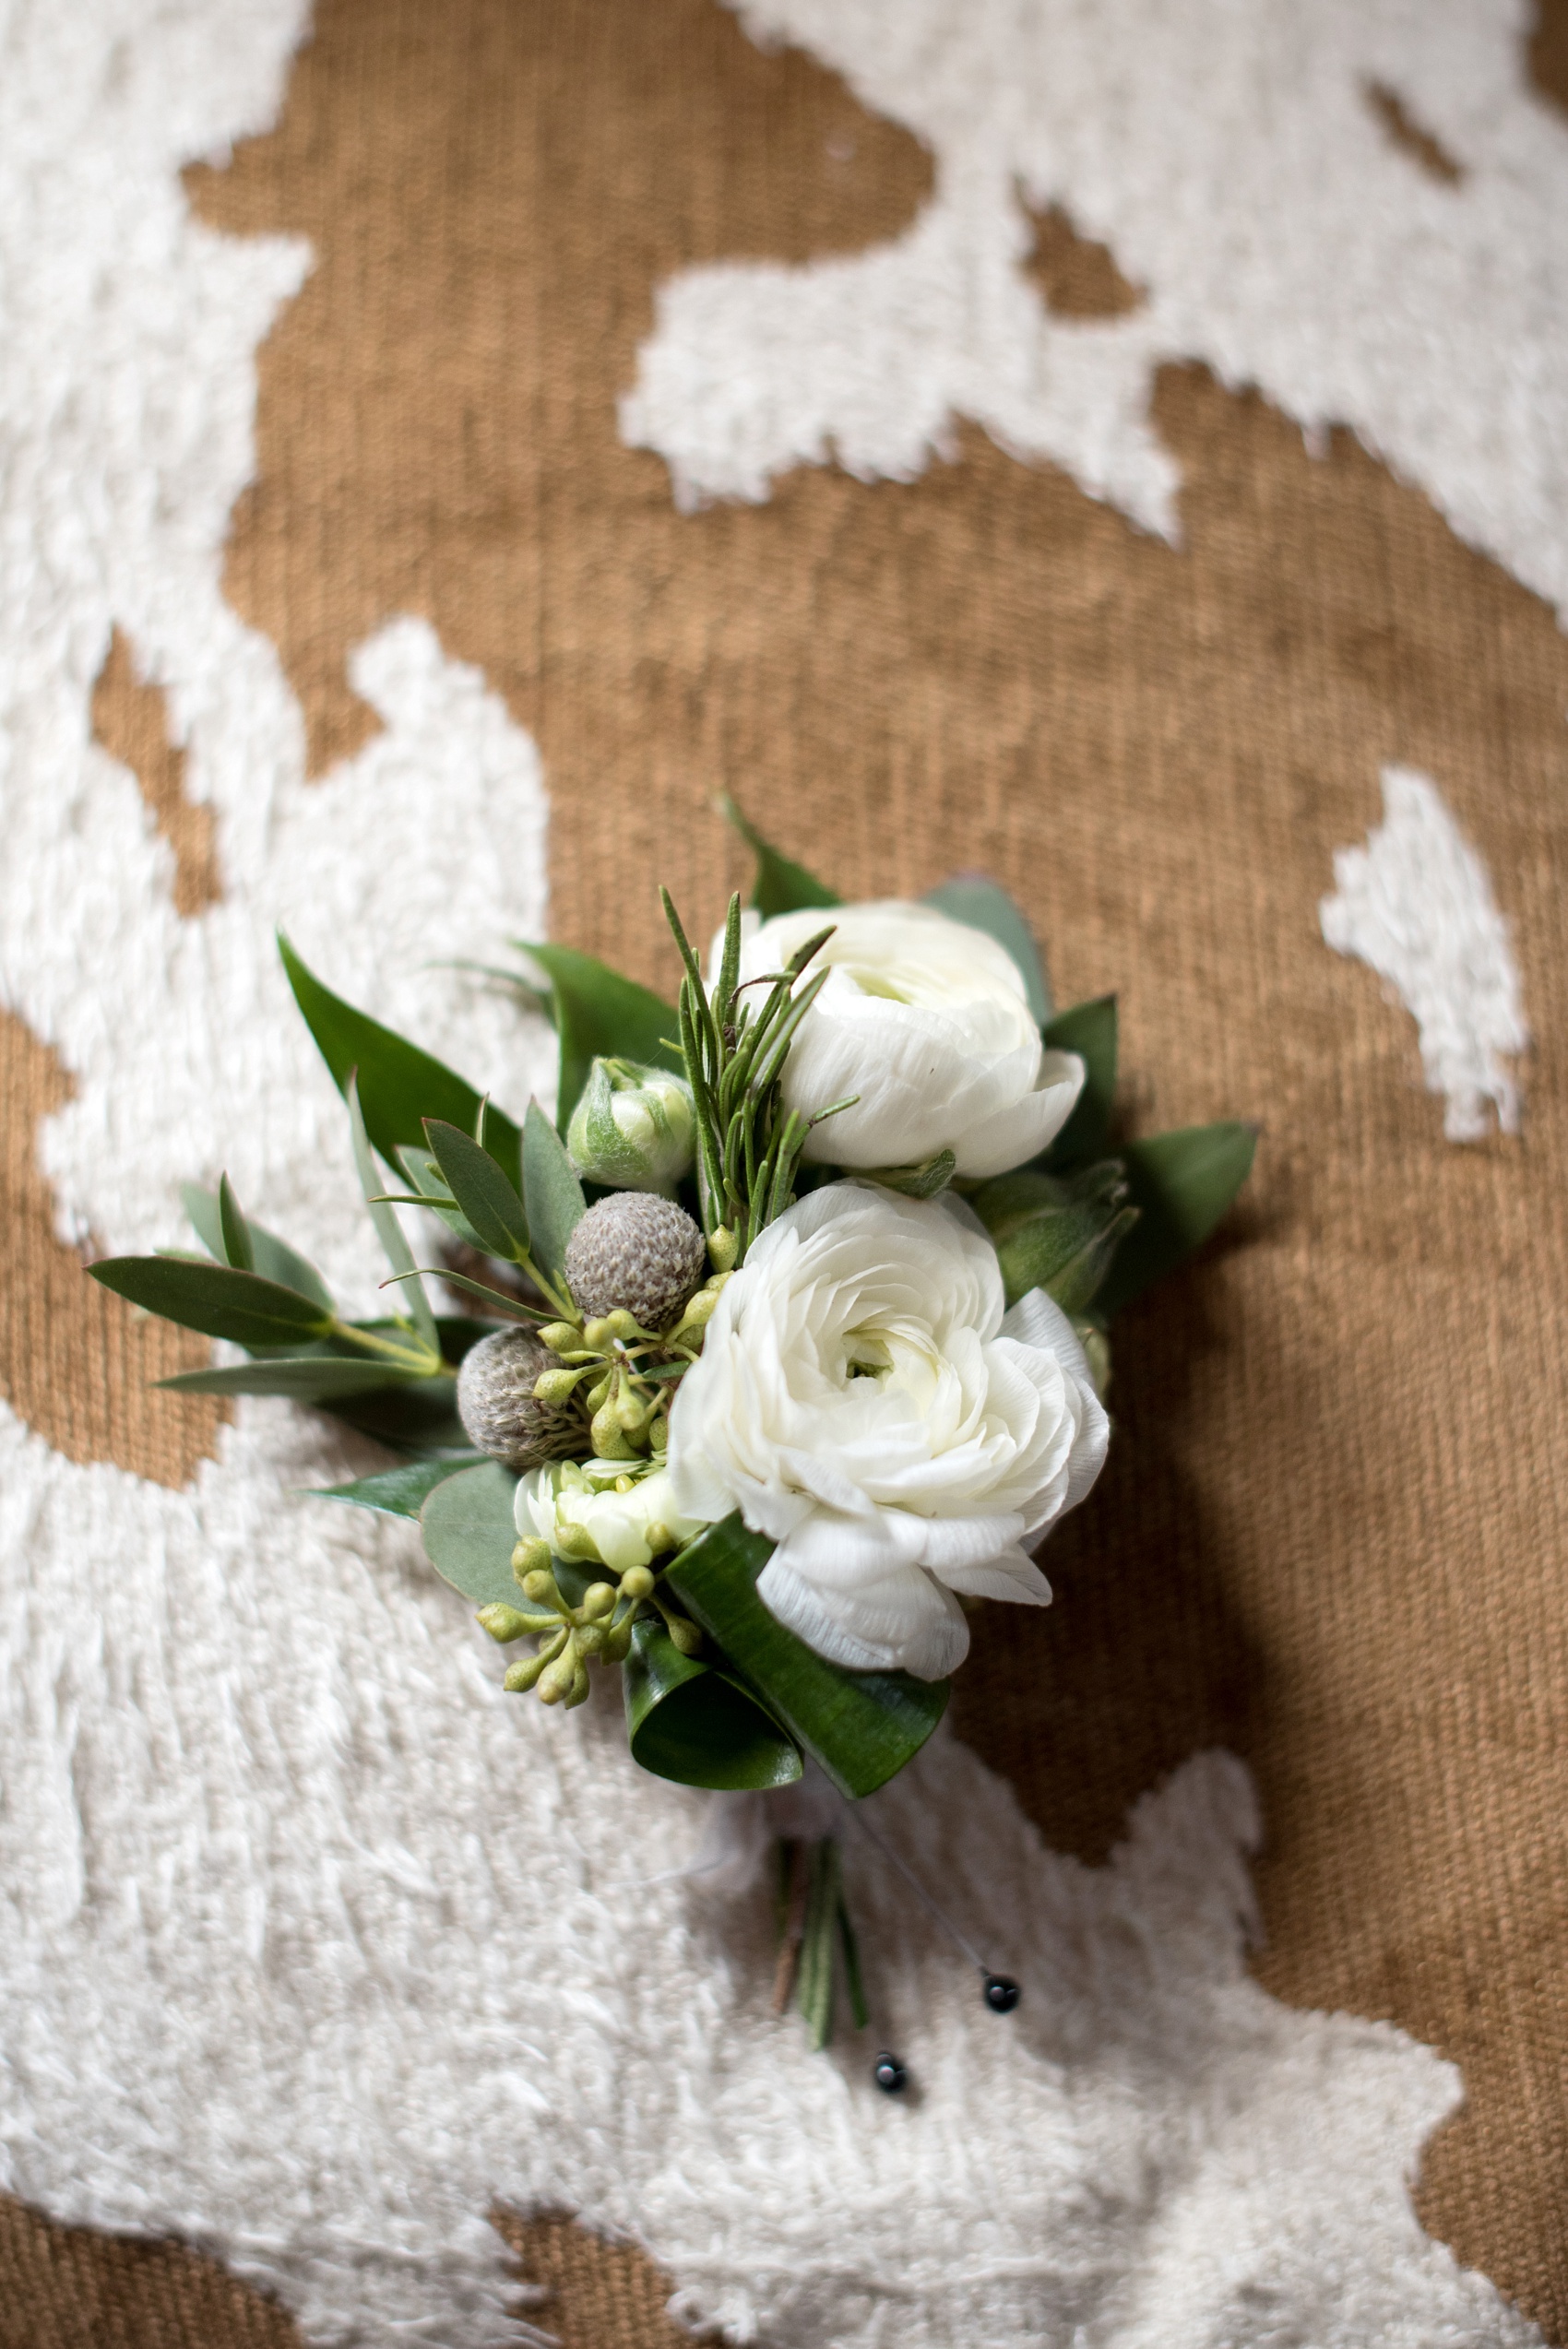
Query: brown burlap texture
[1330, 1536]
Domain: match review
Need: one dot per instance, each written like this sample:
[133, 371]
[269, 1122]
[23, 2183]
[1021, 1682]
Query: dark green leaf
[272, 1257]
[1088, 1030]
[696, 1724]
[781, 885]
[399, 1492]
[389, 1230]
[984, 905]
[554, 1199]
[1056, 1232]
[214, 1298]
[1181, 1183]
[311, 1378]
[231, 1225]
[481, 1188]
[861, 1726]
[400, 1085]
[469, 1532]
[598, 1012]
[419, 1419]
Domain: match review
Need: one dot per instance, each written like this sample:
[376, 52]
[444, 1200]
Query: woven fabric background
[1332, 1536]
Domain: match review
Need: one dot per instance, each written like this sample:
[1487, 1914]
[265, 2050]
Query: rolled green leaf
[553, 1193]
[600, 1012]
[781, 885]
[1182, 1184]
[272, 1257]
[234, 1229]
[815, 1978]
[1088, 1030]
[215, 1299]
[861, 1727]
[399, 1492]
[311, 1378]
[985, 905]
[400, 1085]
[469, 1532]
[481, 1188]
[694, 1723]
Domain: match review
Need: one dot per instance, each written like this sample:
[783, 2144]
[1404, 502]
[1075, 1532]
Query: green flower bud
[504, 1623]
[597, 1335]
[540, 1584]
[623, 1325]
[634, 1127]
[610, 1439]
[578, 1694]
[598, 1599]
[562, 1337]
[575, 1542]
[685, 1634]
[555, 1386]
[659, 1539]
[555, 1681]
[722, 1248]
[521, 1676]
[636, 1582]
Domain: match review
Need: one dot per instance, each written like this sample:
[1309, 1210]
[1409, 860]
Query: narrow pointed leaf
[600, 1012]
[694, 1722]
[481, 1188]
[781, 885]
[272, 1257]
[398, 1492]
[1088, 1030]
[311, 1378]
[400, 1085]
[551, 1193]
[389, 1230]
[237, 1250]
[1182, 1184]
[861, 1727]
[985, 905]
[215, 1300]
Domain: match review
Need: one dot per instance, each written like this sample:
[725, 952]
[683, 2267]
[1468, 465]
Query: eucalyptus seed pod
[638, 1253]
[634, 1127]
[498, 1408]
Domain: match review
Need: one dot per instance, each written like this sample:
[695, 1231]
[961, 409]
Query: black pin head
[1001, 1993]
[889, 2074]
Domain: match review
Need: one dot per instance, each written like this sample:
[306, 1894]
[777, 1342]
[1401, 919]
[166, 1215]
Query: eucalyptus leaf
[399, 1492]
[389, 1230]
[985, 905]
[469, 1532]
[272, 1257]
[598, 1012]
[861, 1727]
[481, 1188]
[781, 885]
[214, 1298]
[310, 1377]
[1088, 1030]
[1182, 1184]
[694, 1723]
[431, 1187]
[554, 1199]
[400, 1085]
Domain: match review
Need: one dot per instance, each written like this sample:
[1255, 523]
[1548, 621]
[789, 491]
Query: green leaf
[481, 1188]
[781, 885]
[600, 1012]
[1181, 1183]
[311, 1378]
[215, 1300]
[389, 1230]
[399, 1492]
[861, 1726]
[418, 1419]
[469, 1533]
[1056, 1232]
[553, 1193]
[918, 1182]
[859, 2011]
[984, 905]
[233, 1229]
[815, 1979]
[694, 1723]
[400, 1085]
[1088, 1030]
[272, 1257]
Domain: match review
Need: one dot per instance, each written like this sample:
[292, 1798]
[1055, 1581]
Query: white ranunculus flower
[926, 1020]
[585, 1497]
[862, 1398]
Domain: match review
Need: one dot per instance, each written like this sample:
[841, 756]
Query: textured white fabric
[1417, 905]
[1230, 154]
[282, 1876]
